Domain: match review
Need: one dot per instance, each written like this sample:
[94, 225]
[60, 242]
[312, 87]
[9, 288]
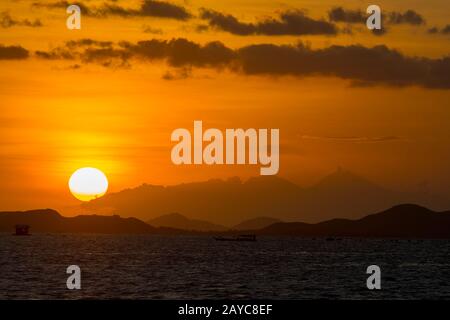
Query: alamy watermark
[74, 280]
[374, 280]
[73, 22]
[235, 146]
[373, 22]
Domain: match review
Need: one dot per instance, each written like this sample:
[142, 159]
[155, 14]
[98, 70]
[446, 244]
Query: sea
[198, 267]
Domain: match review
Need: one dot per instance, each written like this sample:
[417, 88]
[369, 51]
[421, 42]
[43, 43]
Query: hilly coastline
[402, 221]
[50, 221]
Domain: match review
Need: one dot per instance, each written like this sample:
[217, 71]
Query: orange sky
[55, 119]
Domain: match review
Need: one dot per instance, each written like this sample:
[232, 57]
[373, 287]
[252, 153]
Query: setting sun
[88, 183]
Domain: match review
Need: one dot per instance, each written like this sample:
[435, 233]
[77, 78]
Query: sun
[88, 183]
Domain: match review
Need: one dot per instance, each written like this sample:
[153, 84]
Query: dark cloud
[178, 74]
[13, 52]
[379, 32]
[64, 4]
[181, 52]
[377, 65]
[227, 22]
[55, 54]
[6, 21]
[340, 14]
[201, 28]
[444, 30]
[69, 50]
[292, 22]
[105, 55]
[151, 30]
[114, 10]
[74, 67]
[350, 16]
[178, 52]
[88, 42]
[359, 64]
[407, 17]
[148, 8]
[164, 10]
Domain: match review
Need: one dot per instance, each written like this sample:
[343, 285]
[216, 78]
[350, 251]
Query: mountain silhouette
[51, 221]
[341, 194]
[178, 221]
[402, 221]
[256, 223]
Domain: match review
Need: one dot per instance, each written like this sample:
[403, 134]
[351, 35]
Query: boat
[242, 237]
[333, 239]
[22, 230]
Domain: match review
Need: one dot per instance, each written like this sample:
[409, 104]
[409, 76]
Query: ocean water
[197, 267]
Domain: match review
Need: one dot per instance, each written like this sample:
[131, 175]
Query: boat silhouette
[242, 237]
[22, 230]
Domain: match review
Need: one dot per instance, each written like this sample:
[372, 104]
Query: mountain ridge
[50, 221]
[178, 221]
[400, 221]
[341, 194]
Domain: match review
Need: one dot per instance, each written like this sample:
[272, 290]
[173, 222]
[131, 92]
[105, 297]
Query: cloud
[177, 52]
[178, 74]
[105, 55]
[13, 52]
[55, 54]
[164, 10]
[379, 32]
[88, 42]
[182, 52]
[74, 67]
[6, 21]
[85, 10]
[69, 50]
[359, 64]
[292, 22]
[151, 30]
[148, 8]
[407, 17]
[354, 139]
[444, 30]
[376, 65]
[340, 14]
[201, 28]
[227, 23]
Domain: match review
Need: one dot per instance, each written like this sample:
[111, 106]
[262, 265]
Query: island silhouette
[401, 221]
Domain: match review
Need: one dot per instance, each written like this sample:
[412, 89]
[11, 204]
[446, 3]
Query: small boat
[242, 237]
[333, 239]
[22, 230]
